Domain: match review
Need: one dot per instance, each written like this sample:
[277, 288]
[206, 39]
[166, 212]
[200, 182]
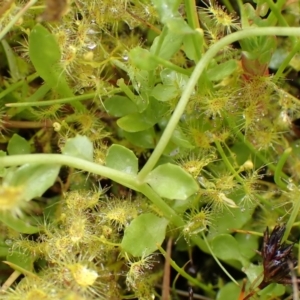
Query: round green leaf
[80, 147]
[122, 159]
[222, 70]
[226, 223]
[45, 54]
[179, 26]
[144, 120]
[21, 261]
[172, 182]
[248, 243]
[136, 122]
[170, 45]
[18, 145]
[35, 179]
[166, 9]
[272, 290]
[143, 235]
[142, 59]
[119, 106]
[144, 139]
[165, 92]
[229, 289]
[21, 225]
[225, 247]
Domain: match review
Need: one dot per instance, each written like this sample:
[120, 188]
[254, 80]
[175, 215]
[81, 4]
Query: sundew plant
[143, 139]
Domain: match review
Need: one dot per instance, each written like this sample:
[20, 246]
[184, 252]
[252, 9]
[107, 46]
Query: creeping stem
[200, 67]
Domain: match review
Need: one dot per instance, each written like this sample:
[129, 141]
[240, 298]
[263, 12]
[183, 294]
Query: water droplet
[8, 242]
[125, 56]
[290, 186]
[91, 45]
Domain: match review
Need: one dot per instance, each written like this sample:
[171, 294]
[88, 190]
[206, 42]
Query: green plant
[157, 127]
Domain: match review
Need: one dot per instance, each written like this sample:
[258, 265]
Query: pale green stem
[272, 17]
[127, 91]
[286, 61]
[161, 40]
[191, 279]
[18, 84]
[167, 211]
[10, 281]
[53, 102]
[77, 163]
[292, 218]
[190, 87]
[115, 175]
[61, 101]
[228, 6]
[276, 11]
[193, 21]
[170, 65]
[227, 163]
[217, 260]
[278, 171]
[279, 17]
[15, 19]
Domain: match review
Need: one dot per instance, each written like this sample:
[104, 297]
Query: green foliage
[18, 145]
[171, 182]
[80, 147]
[155, 102]
[122, 159]
[151, 231]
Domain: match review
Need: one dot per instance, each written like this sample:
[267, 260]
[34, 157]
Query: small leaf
[189, 42]
[179, 26]
[144, 120]
[11, 60]
[144, 139]
[122, 159]
[271, 291]
[80, 147]
[20, 269]
[142, 59]
[179, 139]
[143, 235]
[229, 289]
[247, 244]
[18, 145]
[21, 225]
[119, 106]
[21, 261]
[225, 247]
[137, 122]
[166, 9]
[165, 92]
[223, 70]
[170, 45]
[44, 53]
[35, 179]
[172, 182]
[2, 169]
